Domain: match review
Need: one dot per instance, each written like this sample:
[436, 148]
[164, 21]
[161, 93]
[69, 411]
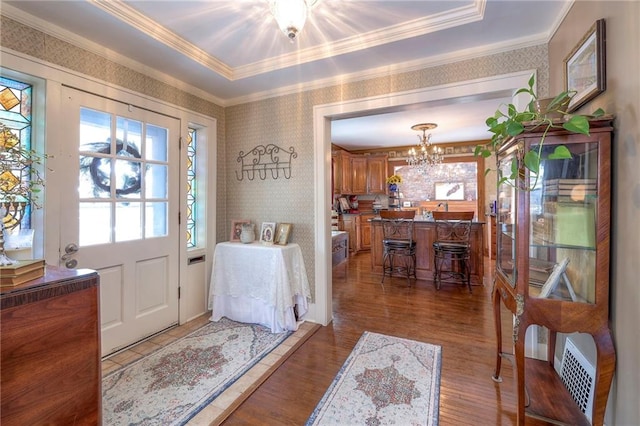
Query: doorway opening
[485, 88]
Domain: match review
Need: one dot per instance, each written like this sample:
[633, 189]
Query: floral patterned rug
[385, 380]
[171, 385]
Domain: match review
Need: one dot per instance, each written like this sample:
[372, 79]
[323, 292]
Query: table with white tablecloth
[260, 284]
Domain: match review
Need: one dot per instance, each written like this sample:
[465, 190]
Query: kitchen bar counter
[425, 234]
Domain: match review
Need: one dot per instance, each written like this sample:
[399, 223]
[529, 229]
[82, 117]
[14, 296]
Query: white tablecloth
[256, 283]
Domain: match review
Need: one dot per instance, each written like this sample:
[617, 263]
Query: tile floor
[235, 394]
[134, 353]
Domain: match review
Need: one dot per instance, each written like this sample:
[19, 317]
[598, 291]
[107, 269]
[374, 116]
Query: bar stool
[399, 246]
[452, 250]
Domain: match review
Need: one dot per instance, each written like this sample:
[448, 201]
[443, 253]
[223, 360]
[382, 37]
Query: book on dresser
[21, 272]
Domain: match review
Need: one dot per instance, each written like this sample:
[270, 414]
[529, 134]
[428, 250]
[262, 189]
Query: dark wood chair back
[438, 215]
[398, 214]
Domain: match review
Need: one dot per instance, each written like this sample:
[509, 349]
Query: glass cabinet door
[562, 225]
[506, 216]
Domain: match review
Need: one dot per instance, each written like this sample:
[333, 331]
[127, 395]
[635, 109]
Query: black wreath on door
[102, 178]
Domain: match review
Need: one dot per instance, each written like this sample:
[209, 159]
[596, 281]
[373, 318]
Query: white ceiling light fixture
[291, 15]
[427, 155]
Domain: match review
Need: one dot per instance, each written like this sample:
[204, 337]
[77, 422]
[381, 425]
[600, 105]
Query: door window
[123, 182]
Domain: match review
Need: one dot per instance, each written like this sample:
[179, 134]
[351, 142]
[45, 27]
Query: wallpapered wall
[24, 39]
[285, 121]
[288, 121]
[621, 98]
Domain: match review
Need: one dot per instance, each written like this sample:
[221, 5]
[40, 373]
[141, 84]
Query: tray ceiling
[233, 52]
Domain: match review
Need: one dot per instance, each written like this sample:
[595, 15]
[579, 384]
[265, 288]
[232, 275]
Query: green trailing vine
[508, 122]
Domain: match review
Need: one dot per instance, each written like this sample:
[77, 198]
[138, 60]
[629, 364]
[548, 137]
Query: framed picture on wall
[584, 67]
[449, 191]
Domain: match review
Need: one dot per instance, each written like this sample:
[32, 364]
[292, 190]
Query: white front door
[120, 212]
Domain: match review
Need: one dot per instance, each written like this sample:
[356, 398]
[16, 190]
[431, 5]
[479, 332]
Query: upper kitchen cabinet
[358, 174]
[369, 174]
[377, 174]
[359, 169]
[342, 176]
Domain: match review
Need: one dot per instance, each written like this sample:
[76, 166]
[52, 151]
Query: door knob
[71, 248]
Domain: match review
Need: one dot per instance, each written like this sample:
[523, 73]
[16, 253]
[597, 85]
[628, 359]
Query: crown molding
[566, 6]
[410, 29]
[98, 49]
[445, 20]
[135, 19]
[397, 68]
[415, 28]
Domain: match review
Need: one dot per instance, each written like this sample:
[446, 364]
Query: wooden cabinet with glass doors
[552, 266]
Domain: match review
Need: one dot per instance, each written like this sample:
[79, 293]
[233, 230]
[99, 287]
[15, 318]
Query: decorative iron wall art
[265, 159]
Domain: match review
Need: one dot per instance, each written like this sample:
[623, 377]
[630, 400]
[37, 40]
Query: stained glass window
[15, 146]
[191, 188]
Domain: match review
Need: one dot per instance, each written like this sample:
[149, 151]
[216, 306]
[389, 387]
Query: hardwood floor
[460, 322]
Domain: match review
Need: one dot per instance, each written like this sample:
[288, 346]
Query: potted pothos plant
[508, 122]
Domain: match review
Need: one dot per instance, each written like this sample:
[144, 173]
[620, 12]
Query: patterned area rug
[385, 380]
[173, 384]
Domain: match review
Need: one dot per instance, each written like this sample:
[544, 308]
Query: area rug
[171, 385]
[385, 380]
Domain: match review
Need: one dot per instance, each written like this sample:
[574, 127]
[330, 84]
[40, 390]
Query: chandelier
[427, 155]
[291, 15]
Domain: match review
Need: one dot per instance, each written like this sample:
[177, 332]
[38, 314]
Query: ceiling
[232, 52]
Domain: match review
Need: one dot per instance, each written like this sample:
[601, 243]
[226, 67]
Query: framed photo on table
[236, 229]
[267, 232]
[282, 234]
[585, 68]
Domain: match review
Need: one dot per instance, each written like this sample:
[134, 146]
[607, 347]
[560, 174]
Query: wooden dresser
[50, 350]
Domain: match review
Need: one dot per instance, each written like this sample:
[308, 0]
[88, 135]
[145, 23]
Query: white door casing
[489, 87]
[122, 171]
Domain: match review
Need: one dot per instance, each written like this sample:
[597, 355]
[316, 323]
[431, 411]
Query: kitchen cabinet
[359, 176]
[364, 231]
[359, 229]
[50, 350]
[342, 172]
[377, 174]
[348, 224]
[369, 174]
[552, 268]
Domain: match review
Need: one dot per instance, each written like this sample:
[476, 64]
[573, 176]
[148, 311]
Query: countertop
[360, 213]
[420, 219]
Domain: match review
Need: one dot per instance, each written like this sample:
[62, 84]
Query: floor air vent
[578, 375]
